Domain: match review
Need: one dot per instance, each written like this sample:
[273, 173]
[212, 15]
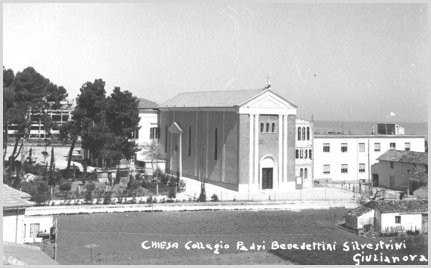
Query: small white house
[14, 205]
[359, 218]
[400, 215]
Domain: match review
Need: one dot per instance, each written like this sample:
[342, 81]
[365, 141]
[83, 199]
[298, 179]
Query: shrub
[202, 197]
[214, 198]
[107, 197]
[150, 199]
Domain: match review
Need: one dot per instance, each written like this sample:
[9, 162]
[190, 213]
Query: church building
[243, 140]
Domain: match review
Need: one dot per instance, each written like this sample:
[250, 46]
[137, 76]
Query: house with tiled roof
[148, 131]
[14, 203]
[359, 218]
[400, 215]
[18, 226]
[401, 170]
[242, 140]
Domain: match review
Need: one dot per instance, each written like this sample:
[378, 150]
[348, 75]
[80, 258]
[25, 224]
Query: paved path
[193, 189]
[18, 254]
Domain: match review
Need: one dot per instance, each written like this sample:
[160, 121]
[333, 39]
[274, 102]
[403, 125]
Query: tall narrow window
[361, 167]
[309, 154]
[299, 133]
[361, 147]
[305, 173]
[215, 144]
[303, 133]
[166, 139]
[306, 153]
[326, 169]
[301, 153]
[308, 133]
[301, 173]
[267, 127]
[297, 153]
[262, 127]
[190, 141]
[273, 127]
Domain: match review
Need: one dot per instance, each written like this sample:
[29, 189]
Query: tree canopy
[106, 123]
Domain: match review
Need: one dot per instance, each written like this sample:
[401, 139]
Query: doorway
[267, 178]
[375, 180]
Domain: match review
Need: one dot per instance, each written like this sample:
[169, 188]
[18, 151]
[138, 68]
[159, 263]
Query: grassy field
[119, 238]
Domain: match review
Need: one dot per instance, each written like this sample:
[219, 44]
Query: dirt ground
[119, 237]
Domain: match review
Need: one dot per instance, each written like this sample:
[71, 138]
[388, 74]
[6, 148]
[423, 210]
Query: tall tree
[122, 119]
[26, 100]
[88, 116]
[70, 131]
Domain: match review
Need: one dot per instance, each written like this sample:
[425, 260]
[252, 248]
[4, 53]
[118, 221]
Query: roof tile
[405, 157]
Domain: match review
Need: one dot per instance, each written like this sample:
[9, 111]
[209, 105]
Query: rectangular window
[407, 146]
[361, 147]
[397, 219]
[326, 169]
[215, 144]
[344, 147]
[153, 133]
[190, 142]
[377, 147]
[344, 168]
[392, 165]
[326, 147]
[361, 167]
[392, 145]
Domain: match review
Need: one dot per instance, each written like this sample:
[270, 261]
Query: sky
[346, 62]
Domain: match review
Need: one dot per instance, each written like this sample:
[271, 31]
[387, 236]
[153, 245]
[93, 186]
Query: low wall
[179, 206]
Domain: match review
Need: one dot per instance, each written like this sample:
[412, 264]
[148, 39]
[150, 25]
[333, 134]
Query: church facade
[243, 140]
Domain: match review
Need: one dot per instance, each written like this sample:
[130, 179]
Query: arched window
[302, 153]
[297, 153]
[301, 173]
[267, 127]
[273, 127]
[305, 173]
[303, 133]
[306, 153]
[309, 154]
[308, 133]
[299, 133]
[262, 127]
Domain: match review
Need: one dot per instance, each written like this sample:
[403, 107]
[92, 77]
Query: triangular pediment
[268, 99]
[175, 128]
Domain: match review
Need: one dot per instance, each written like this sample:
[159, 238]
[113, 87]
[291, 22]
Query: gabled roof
[146, 104]
[404, 157]
[400, 206]
[13, 198]
[226, 98]
[359, 211]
